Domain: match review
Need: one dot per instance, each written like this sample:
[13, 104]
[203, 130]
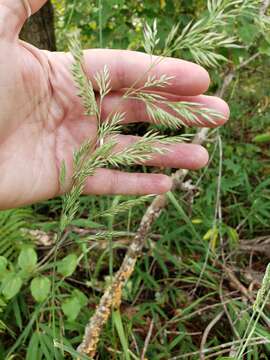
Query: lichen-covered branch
[112, 296]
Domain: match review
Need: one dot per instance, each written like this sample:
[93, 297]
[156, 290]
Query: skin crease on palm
[42, 121]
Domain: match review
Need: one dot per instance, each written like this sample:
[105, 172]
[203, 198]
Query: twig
[236, 283]
[112, 296]
[226, 309]
[226, 346]
[207, 331]
[147, 340]
[258, 245]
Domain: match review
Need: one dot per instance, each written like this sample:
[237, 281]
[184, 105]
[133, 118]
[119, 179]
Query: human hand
[42, 120]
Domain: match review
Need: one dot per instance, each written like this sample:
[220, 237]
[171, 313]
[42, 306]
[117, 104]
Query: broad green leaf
[67, 266]
[83, 300]
[40, 288]
[71, 308]
[27, 259]
[11, 285]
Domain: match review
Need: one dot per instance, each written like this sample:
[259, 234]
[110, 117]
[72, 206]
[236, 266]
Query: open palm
[42, 120]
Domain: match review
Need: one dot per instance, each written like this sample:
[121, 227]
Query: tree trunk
[39, 29]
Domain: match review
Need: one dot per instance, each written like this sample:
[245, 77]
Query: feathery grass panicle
[155, 82]
[103, 80]
[142, 150]
[99, 152]
[151, 39]
[202, 42]
[203, 38]
[84, 86]
[112, 125]
[263, 297]
[177, 114]
[265, 288]
[125, 206]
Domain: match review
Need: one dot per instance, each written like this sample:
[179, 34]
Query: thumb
[13, 15]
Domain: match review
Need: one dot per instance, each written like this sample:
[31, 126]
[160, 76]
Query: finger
[135, 110]
[129, 68]
[185, 156]
[14, 13]
[114, 182]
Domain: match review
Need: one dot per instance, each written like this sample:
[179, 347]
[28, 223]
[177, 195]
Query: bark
[39, 29]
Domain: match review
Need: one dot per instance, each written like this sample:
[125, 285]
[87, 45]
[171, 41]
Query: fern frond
[11, 235]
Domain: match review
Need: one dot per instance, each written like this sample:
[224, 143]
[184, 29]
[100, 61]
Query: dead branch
[147, 339]
[215, 350]
[112, 296]
[207, 331]
[227, 313]
[235, 282]
[259, 245]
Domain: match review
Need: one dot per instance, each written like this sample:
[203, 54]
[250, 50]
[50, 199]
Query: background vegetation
[192, 291]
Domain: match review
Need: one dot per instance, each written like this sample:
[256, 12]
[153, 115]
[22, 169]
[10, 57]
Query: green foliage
[67, 266]
[27, 260]
[12, 277]
[72, 306]
[11, 285]
[123, 24]
[40, 288]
